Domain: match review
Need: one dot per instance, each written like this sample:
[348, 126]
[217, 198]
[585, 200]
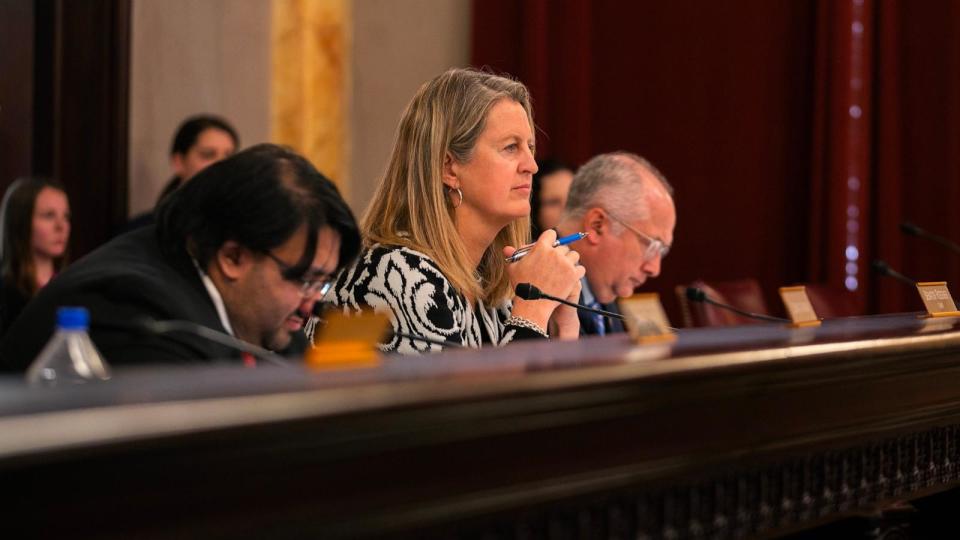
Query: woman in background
[550, 187]
[35, 230]
[199, 142]
[453, 203]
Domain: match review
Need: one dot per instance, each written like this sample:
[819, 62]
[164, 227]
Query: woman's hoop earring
[460, 193]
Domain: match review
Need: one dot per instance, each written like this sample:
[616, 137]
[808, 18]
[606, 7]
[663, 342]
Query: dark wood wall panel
[16, 89]
[91, 109]
[65, 105]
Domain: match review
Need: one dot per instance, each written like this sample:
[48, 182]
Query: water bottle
[70, 356]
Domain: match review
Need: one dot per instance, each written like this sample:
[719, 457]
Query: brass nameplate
[644, 318]
[936, 298]
[799, 307]
[348, 341]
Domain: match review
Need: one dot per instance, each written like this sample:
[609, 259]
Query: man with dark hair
[627, 206]
[245, 248]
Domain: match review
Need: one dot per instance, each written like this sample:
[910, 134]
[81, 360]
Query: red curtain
[918, 142]
[797, 134]
[547, 45]
[841, 179]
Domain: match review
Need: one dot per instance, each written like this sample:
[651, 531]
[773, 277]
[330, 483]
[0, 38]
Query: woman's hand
[553, 270]
[564, 324]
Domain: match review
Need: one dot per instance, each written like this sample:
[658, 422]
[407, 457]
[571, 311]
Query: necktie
[248, 359]
[597, 319]
[613, 324]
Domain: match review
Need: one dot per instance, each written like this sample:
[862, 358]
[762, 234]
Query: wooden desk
[729, 432]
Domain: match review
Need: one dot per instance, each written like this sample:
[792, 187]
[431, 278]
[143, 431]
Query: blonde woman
[453, 203]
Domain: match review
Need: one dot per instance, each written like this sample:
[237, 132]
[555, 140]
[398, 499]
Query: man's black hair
[258, 198]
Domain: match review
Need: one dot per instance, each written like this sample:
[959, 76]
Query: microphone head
[527, 291]
[909, 228]
[880, 267]
[696, 294]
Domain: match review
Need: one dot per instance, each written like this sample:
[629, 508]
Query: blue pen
[522, 252]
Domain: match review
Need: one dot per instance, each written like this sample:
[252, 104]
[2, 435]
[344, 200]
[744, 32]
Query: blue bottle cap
[73, 318]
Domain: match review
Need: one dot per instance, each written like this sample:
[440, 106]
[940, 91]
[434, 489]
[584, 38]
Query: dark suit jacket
[126, 280]
[588, 325]
[12, 303]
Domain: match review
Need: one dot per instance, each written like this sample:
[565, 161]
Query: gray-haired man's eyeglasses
[655, 246]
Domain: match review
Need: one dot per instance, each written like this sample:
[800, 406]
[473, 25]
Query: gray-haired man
[626, 205]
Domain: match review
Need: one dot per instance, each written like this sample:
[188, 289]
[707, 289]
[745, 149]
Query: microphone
[884, 269]
[162, 328]
[187, 327]
[910, 229]
[696, 294]
[530, 292]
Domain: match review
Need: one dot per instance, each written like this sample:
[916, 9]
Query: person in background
[627, 206]
[245, 248]
[550, 186]
[36, 232]
[453, 203]
[199, 142]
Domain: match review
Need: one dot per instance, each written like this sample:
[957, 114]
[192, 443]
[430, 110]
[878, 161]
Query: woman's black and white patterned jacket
[409, 287]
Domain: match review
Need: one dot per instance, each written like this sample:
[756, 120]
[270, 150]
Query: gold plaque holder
[658, 338]
[802, 314]
[933, 313]
[804, 324]
[645, 319]
[344, 354]
[346, 342]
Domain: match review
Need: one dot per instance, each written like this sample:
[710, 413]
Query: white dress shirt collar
[215, 297]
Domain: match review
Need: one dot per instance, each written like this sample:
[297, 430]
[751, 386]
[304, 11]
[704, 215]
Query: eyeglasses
[308, 287]
[655, 246]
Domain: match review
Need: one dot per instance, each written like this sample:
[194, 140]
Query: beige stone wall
[310, 83]
[397, 46]
[194, 56]
[188, 57]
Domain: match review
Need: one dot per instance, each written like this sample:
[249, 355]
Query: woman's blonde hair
[410, 207]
